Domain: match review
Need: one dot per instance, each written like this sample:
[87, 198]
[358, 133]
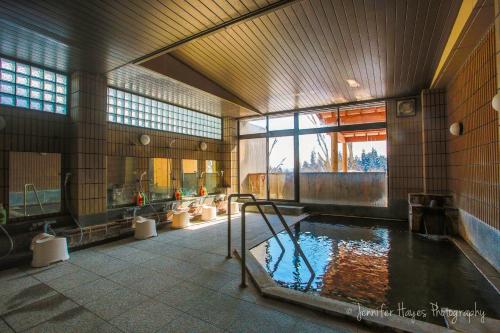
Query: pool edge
[482, 265]
[269, 288]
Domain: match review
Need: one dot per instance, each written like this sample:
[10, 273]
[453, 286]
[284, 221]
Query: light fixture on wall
[203, 146]
[2, 123]
[495, 102]
[145, 139]
[457, 129]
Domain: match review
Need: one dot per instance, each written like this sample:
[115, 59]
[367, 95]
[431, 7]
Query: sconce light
[495, 102]
[457, 129]
[145, 139]
[203, 146]
[2, 123]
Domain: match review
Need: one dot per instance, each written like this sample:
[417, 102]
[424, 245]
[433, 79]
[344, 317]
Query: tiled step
[284, 210]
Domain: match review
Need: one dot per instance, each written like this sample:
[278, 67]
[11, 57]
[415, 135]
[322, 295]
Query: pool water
[378, 264]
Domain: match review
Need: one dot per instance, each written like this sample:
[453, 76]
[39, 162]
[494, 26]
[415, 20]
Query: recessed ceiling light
[362, 97]
[339, 100]
[353, 83]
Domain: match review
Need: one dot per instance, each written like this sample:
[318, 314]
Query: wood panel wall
[473, 158]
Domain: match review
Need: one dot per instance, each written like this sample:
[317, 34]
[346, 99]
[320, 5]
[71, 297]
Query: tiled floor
[179, 281]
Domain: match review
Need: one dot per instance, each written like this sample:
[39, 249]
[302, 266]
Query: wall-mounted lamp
[145, 139]
[495, 102]
[203, 146]
[457, 129]
[2, 123]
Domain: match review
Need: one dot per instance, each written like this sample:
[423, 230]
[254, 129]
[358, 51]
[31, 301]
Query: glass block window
[134, 110]
[31, 87]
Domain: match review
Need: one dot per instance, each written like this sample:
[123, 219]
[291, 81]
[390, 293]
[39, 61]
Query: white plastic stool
[48, 249]
[208, 213]
[235, 208]
[180, 220]
[145, 228]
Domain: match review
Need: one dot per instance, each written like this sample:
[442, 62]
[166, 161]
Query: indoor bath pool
[377, 265]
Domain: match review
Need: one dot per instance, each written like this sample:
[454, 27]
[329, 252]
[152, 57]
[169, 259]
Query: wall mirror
[160, 179]
[34, 184]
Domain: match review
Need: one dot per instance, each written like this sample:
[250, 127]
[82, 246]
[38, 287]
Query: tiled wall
[434, 129]
[473, 158]
[405, 158]
[85, 138]
[230, 155]
[416, 148]
[88, 137]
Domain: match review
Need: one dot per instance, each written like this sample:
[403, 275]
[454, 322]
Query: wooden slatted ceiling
[148, 83]
[301, 55]
[99, 35]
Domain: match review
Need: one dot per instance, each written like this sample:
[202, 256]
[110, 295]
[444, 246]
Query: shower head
[142, 176]
[67, 176]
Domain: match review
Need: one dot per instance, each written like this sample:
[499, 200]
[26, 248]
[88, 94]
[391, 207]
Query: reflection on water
[376, 265]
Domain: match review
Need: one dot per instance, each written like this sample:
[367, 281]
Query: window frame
[296, 132]
[170, 105]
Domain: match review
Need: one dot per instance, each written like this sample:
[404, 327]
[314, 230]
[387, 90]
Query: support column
[88, 141]
[335, 152]
[434, 129]
[230, 154]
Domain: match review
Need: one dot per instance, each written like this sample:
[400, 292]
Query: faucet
[133, 210]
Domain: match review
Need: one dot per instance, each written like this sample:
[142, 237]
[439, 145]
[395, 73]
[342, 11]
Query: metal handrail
[251, 196]
[285, 225]
[26, 186]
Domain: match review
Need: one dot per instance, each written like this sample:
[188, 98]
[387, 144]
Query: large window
[337, 156]
[320, 119]
[253, 125]
[253, 174]
[281, 168]
[31, 87]
[134, 110]
[281, 123]
[344, 168]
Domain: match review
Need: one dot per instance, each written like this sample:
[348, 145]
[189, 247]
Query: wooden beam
[366, 138]
[335, 152]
